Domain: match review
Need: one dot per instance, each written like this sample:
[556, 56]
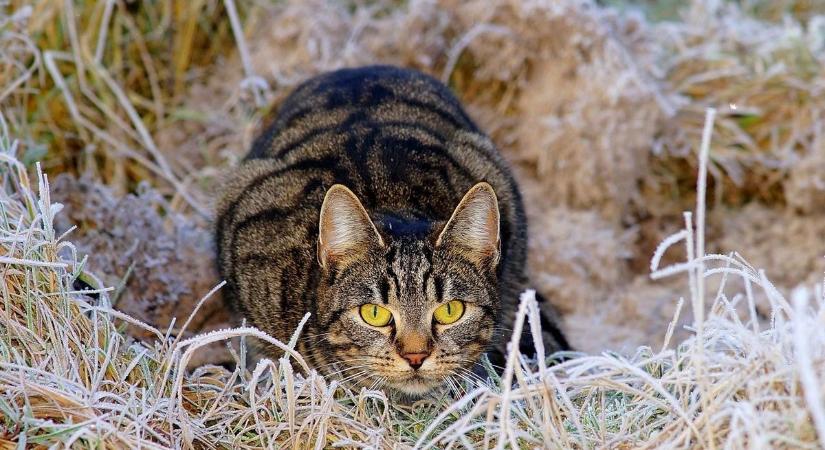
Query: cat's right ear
[345, 231]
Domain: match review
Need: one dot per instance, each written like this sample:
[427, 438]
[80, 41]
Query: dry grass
[69, 376]
[93, 82]
[155, 97]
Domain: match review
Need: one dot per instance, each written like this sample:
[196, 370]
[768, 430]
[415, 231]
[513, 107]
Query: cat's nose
[415, 359]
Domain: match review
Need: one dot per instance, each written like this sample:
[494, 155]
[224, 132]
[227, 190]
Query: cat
[376, 204]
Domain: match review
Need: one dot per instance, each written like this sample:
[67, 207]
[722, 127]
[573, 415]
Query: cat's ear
[473, 228]
[345, 230]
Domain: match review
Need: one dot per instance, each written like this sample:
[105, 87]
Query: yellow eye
[449, 312]
[375, 315]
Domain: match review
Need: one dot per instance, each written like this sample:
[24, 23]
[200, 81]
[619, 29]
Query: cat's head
[406, 311]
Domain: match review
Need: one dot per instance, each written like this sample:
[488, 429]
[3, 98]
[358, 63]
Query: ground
[135, 112]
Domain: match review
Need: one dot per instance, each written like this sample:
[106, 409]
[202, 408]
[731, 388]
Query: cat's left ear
[473, 228]
[345, 231]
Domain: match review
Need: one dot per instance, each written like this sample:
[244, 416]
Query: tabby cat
[374, 203]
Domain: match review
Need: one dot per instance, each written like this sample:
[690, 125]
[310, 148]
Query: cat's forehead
[409, 269]
[409, 254]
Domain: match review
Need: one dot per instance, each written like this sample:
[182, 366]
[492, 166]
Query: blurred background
[135, 109]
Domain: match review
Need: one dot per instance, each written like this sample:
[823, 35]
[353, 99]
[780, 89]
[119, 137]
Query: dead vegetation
[139, 105]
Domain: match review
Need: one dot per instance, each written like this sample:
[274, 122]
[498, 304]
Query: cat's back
[398, 138]
[361, 101]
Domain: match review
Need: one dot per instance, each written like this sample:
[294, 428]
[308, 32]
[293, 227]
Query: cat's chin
[415, 387]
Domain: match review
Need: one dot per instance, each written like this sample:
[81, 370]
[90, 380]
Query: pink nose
[415, 359]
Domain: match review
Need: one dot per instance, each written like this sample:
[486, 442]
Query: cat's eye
[449, 312]
[375, 315]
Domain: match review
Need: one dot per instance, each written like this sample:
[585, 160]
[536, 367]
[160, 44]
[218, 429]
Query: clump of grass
[764, 79]
[93, 82]
[68, 376]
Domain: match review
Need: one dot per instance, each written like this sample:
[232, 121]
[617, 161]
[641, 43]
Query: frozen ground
[136, 111]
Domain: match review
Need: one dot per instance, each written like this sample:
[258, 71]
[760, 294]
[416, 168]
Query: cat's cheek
[455, 339]
[474, 330]
[364, 335]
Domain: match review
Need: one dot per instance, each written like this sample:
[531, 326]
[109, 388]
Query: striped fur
[400, 141]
